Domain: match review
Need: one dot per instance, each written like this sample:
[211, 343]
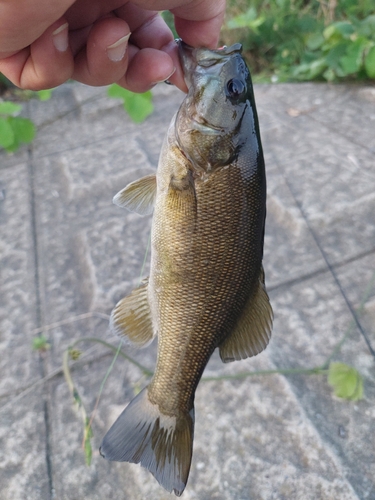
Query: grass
[299, 40]
[283, 40]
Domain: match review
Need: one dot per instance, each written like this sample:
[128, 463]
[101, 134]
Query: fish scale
[206, 286]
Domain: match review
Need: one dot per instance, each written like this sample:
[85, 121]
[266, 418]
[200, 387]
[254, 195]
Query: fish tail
[161, 443]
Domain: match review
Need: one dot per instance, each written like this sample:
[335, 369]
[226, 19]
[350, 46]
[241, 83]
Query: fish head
[209, 124]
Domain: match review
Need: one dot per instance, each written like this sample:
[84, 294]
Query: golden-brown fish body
[206, 285]
[207, 240]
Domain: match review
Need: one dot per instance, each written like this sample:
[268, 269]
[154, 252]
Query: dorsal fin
[253, 329]
[131, 318]
[138, 196]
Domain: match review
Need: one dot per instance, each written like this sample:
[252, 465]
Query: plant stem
[89, 423]
[72, 388]
[286, 371]
[145, 370]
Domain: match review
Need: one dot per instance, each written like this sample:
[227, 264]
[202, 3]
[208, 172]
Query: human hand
[44, 43]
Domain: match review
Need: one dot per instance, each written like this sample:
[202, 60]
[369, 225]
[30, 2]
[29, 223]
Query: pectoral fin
[138, 196]
[253, 329]
[131, 318]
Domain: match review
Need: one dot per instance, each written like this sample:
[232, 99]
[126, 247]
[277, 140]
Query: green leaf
[347, 383]
[314, 41]
[77, 398]
[9, 108]
[88, 452]
[370, 63]
[6, 133]
[309, 24]
[248, 19]
[367, 27]
[45, 95]
[23, 128]
[351, 62]
[339, 28]
[336, 52]
[309, 71]
[138, 106]
[329, 75]
[169, 19]
[40, 343]
[88, 434]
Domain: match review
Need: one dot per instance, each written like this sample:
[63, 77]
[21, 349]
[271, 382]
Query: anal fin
[131, 318]
[252, 331]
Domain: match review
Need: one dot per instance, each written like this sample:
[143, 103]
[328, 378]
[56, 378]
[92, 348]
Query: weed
[345, 49]
[14, 129]
[40, 344]
[347, 383]
[138, 106]
[306, 40]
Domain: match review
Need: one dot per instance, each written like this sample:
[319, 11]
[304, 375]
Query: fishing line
[103, 384]
[119, 346]
[331, 269]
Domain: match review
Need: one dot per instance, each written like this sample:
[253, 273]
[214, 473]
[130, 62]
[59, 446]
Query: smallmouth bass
[206, 286]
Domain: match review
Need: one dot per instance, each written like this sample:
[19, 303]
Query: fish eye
[235, 88]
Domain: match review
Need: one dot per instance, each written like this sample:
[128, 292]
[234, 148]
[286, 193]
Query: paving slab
[23, 445]
[68, 255]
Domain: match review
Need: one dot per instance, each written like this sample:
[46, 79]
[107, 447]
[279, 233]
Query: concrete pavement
[65, 251]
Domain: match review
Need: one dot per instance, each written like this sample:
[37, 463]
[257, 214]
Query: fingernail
[60, 38]
[117, 50]
[165, 79]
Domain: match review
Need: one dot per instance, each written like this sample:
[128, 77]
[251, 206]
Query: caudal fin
[160, 443]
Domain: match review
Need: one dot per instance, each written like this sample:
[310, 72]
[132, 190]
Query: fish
[206, 287]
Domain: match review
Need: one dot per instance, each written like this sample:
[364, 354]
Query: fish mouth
[194, 58]
[204, 56]
[201, 125]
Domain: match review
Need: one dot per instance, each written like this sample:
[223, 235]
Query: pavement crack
[38, 311]
[330, 267]
[320, 271]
